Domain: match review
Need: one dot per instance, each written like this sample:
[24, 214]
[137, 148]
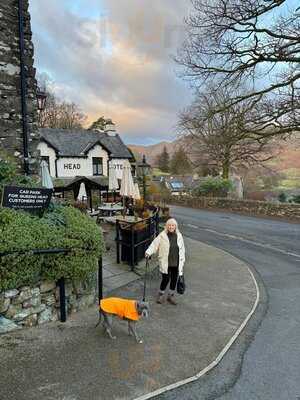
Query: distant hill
[289, 156]
[286, 163]
[151, 152]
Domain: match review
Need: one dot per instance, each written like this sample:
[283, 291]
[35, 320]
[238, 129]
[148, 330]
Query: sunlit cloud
[114, 58]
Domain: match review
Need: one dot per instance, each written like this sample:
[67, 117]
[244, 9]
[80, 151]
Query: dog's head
[143, 308]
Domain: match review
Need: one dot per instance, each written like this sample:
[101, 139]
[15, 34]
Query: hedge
[60, 227]
[9, 174]
[213, 186]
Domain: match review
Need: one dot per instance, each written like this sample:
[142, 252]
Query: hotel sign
[71, 166]
[28, 199]
[118, 165]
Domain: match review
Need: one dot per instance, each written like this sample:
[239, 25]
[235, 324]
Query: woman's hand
[147, 256]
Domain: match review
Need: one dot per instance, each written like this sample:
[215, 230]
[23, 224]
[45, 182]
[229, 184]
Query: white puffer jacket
[161, 245]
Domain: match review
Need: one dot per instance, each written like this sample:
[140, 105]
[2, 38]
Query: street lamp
[41, 99]
[41, 102]
[143, 170]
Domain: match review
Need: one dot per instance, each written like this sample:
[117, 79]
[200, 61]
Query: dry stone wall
[11, 136]
[250, 207]
[31, 306]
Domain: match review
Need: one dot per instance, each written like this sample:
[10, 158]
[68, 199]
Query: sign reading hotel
[33, 200]
[118, 165]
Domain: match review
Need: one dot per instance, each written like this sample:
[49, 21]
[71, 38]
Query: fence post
[150, 221]
[117, 241]
[157, 222]
[62, 298]
[132, 247]
[100, 280]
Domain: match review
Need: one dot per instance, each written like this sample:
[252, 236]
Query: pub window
[133, 169]
[97, 166]
[46, 158]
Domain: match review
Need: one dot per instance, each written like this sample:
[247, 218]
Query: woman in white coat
[171, 255]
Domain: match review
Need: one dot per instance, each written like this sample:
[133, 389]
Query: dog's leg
[132, 328]
[100, 319]
[129, 328]
[107, 323]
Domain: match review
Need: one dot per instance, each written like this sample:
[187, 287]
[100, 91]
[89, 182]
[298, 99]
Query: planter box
[164, 214]
[139, 251]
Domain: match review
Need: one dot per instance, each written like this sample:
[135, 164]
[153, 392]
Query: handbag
[180, 285]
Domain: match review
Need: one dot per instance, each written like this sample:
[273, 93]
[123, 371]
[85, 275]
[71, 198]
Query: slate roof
[77, 142]
[68, 182]
[187, 181]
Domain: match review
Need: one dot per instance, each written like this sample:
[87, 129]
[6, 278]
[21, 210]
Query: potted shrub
[139, 208]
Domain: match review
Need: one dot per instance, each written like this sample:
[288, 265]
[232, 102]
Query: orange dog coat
[123, 308]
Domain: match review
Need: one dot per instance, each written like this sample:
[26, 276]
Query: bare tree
[251, 42]
[220, 139]
[58, 113]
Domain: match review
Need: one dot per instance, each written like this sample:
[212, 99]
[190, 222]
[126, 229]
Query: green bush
[9, 174]
[296, 198]
[213, 186]
[282, 197]
[61, 227]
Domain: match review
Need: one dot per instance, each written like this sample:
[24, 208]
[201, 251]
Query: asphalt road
[265, 363]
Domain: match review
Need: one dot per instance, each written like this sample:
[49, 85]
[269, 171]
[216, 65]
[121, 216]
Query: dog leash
[145, 279]
[99, 313]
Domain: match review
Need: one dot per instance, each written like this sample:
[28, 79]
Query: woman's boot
[171, 299]
[160, 298]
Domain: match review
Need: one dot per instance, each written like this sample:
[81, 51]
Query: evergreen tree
[180, 163]
[163, 160]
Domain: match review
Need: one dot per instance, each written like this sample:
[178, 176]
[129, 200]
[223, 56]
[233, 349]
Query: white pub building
[80, 155]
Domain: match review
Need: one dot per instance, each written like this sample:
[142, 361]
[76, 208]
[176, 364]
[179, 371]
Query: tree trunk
[225, 169]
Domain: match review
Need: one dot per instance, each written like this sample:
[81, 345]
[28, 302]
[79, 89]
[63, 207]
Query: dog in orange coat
[129, 310]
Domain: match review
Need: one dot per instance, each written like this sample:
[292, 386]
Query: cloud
[113, 58]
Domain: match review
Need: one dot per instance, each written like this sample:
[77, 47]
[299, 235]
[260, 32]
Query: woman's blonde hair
[171, 221]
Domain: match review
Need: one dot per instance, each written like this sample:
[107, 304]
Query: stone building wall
[11, 137]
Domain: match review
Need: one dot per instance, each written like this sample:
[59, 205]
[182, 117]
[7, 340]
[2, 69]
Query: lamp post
[144, 170]
[41, 99]
[41, 96]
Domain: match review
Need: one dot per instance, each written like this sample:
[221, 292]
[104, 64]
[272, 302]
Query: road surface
[269, 369]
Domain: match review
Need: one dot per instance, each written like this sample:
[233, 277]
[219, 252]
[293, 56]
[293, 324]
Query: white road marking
[192, 226]
[240, 238]
[217, 360]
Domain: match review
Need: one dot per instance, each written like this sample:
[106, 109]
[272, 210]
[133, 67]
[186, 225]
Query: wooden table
[110, 211]
[128, 218]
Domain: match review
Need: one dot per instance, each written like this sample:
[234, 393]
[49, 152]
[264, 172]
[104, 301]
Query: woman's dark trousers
[171, 277]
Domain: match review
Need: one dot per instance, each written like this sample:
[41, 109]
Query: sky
[114, 58]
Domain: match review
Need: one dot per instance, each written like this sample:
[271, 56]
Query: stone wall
[250, 207]
[30, 306]
[11, 135]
